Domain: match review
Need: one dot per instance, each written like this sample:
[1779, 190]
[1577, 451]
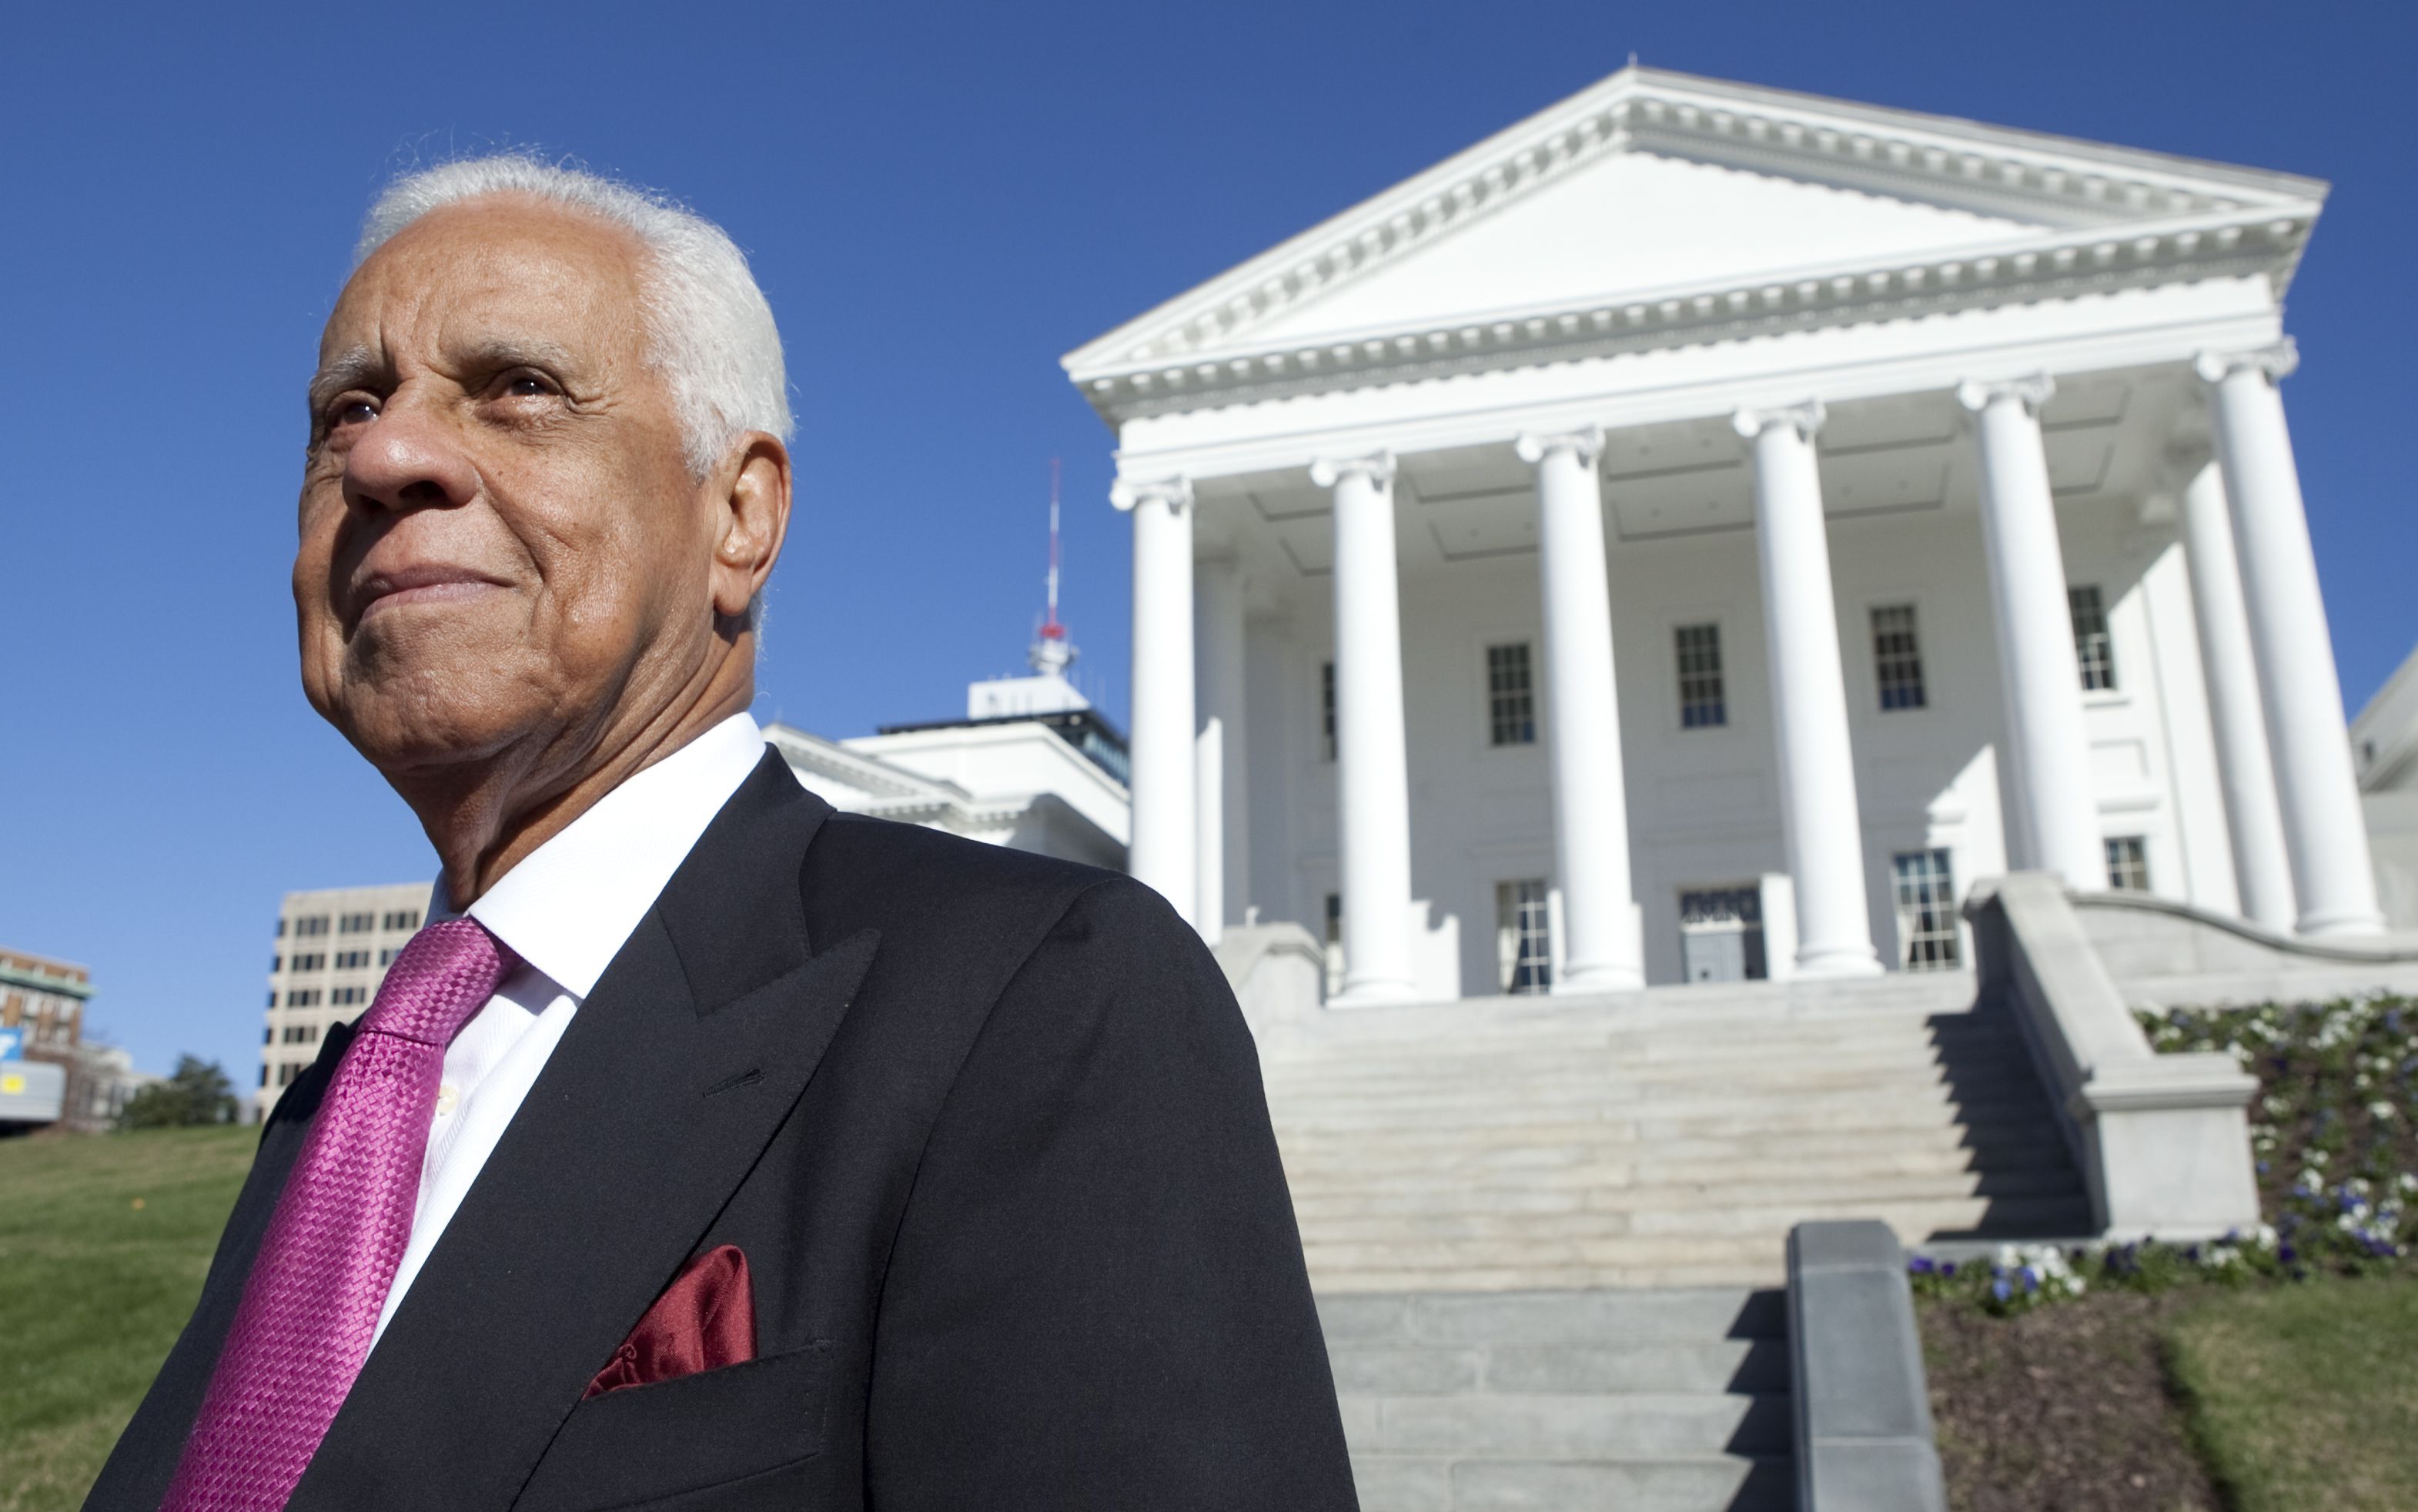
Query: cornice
[2048, 268]
[2114, 215]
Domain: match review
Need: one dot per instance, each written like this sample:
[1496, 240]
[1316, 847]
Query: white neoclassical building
[1698, 530]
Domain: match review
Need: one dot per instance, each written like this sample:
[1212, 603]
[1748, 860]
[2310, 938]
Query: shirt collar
[569, 905]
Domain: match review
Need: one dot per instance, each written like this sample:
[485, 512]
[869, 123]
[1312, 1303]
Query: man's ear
[753, 518]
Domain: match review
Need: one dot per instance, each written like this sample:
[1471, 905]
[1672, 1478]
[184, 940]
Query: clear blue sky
[940, 201]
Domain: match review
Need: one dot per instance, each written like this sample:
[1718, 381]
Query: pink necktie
[320, 1279]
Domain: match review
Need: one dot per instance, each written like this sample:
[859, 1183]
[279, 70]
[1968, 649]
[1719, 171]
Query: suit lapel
[672, 1078]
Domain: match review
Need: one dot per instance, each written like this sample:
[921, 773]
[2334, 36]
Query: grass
[103, 1243]
[2305, 1395]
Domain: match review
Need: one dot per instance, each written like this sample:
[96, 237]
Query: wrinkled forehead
[497, 267]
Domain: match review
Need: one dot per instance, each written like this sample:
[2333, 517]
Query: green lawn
[2306, 1395]
[104, 1242]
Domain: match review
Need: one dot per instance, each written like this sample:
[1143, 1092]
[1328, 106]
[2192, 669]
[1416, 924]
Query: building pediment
[1659, 209]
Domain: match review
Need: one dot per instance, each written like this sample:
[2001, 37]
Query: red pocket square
[705, 1319]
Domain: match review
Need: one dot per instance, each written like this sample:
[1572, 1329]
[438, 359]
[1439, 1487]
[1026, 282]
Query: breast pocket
[646, 1443]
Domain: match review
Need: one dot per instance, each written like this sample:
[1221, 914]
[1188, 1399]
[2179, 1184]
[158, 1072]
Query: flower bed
[2333, 1133]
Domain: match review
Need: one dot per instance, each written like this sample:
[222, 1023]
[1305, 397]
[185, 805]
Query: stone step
[1346, 1215]
[1707, 1365]
[1570, 1426]
[1690, 1101]
[1440, 1483]
[1674, 1236]
[1555, 1317]
[1753, 1046]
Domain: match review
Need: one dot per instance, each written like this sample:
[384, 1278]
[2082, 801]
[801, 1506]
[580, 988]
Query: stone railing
[2161, 1141]
[1864, 1436]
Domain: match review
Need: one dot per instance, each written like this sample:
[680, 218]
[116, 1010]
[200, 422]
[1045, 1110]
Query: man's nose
[408, 459]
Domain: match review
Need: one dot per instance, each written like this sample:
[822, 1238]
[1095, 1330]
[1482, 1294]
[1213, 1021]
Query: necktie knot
[438, 982]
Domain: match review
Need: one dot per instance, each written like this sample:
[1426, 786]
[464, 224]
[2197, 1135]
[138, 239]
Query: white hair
[708, 328]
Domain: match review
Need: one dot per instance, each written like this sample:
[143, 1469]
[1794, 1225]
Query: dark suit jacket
[989, 1129]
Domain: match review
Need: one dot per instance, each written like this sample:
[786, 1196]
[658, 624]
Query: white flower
[2380, 1110]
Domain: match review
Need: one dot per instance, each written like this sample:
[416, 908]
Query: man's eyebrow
[354, 368]
[497, 352]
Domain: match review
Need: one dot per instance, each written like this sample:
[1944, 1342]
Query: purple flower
[2000, 1290]
[1948, 1267]
[2285, 1253]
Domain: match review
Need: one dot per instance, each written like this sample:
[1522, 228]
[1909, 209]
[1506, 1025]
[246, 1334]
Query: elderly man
[706, 1149]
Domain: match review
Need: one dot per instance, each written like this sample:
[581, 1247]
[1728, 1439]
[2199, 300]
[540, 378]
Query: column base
[1576, 981]
[1373, 995]
[2339, 925]
[1837, 963]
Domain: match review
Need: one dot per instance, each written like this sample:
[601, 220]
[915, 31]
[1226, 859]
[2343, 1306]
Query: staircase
[1647, 1402]
[1663, 1139]
[1547, 1234]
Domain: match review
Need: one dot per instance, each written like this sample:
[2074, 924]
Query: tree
[197, 1091]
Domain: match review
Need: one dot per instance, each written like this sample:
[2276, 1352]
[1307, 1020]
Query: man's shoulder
[903, 877]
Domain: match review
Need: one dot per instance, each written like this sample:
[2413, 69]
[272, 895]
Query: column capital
[1805, 419]
[1377, 466]
[1175, 493]
[1587, 444]
[2275, 360]
[1977, 394]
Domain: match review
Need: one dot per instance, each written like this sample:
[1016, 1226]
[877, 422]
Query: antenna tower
[1051, 652]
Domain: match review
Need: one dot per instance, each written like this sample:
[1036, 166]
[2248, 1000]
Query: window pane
[2092, 648]
[1334, 943]
[1510, 695]
[1702, 701]
[1327, 711]
[1897, 657]
[1926, 910]
[2127, 865]
[1524, 935]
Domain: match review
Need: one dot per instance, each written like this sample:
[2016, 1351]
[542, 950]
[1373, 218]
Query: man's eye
[527, 386]
[351, 412]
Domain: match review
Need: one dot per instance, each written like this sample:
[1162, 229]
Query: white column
[2055, 817]
[2324, 829]
[1161, 850]
[1818, 813]
[2262, 867]
[1601, 948]
[1372, 766]
[1220, 858]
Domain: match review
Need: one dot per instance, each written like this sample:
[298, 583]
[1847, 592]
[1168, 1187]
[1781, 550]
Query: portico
[1543, 559]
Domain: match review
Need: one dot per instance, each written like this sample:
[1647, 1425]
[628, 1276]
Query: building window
[1926, 910]
[301, 1034]
[285, 1073]
[1334, 943]
[314, 962]
[386, 956]
[1524, 935]
[272, 997]
[1897, 657]
[401, 919]
[356, 923]
[348, 960]
[302, 997]
[1326, 711]
[2127, 865]
[268, 1032]
[347, 997]
[1702, 703]
[1510, 695]
[276, 964]
[312, 927]
[2092, 647]
[280, 934]
[263, 1073]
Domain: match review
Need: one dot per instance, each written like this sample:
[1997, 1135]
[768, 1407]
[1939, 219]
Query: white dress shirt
[565, 910]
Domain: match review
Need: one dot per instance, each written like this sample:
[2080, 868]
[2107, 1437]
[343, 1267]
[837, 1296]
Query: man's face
[501, 543]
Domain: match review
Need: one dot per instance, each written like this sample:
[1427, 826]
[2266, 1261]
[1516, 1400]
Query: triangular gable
[1699, 202]
[1632, 224]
